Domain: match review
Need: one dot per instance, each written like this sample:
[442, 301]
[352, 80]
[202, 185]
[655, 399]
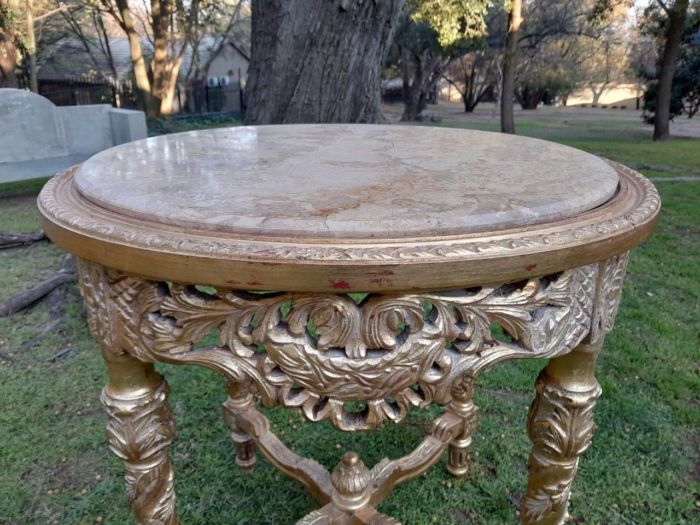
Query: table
[337, 264]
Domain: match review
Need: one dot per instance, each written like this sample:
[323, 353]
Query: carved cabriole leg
[140, 426]
[409, 365]
[239, 398]
[140, 429]
[560, 425]
[463, 406]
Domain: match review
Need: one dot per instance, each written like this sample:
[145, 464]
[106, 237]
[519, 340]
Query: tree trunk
[674, 32]
[597, 93]
[469, 104]
[143, 84]
[318, 60]
[31, 47]
[497, 87]
[420, 74]
[8, 44]
[165, 67]
[510, 57]
[167, 97]
[530, 98]
[468, 96]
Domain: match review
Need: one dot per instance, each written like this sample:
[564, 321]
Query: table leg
[560, 425]
[140, 429]
[463, 406]
[239, 397]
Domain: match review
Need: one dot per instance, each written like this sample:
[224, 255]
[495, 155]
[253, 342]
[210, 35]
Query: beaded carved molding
[320, 351]
[61, 203]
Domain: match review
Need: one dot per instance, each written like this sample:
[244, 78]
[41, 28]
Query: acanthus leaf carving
[318, 351]
[609, 292]
[139, 431]
[560, 426]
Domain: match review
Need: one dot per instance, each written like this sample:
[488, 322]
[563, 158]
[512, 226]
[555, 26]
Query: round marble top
[346, 181]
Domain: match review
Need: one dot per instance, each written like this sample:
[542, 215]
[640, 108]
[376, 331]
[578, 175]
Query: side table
[349, 263]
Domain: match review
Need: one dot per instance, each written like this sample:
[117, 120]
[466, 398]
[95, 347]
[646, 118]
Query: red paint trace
[340, 285]
[382, 272]
[530, 267]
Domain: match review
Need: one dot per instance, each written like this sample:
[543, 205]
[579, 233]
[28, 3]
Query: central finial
[350, 480]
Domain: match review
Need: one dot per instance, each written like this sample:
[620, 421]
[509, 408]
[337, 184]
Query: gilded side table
[347, 263]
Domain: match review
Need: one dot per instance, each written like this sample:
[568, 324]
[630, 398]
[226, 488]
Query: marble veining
[346, 181]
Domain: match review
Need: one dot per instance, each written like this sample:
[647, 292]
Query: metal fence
[191, 99]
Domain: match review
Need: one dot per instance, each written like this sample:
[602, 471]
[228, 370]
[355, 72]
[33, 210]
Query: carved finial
[350, 479]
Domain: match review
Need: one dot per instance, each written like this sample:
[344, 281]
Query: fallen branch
[63, 354]
[12, 240]
[24, 299]
[55, 300]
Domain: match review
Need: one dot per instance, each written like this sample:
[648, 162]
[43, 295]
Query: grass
[177, 124]
[643, 467]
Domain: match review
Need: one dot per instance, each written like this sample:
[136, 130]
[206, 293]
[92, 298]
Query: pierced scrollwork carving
[319, 351]
[140, 430]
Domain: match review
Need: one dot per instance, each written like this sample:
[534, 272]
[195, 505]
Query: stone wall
[33, 130]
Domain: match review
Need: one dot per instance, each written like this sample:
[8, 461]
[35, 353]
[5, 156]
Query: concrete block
[127, 125]
[29, 128]
[87, 128]
[38, 139]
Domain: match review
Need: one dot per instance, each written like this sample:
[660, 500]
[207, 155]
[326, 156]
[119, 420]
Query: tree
[542, 40]
[552, 73]
[687, 77]
[674, 30]
[435, 33]
[122, 14]
[473, 75]
[606, 62]
[86, 24]
[515, 20]
[421, 65]
[685, 91]
[170, 27]
[8, 42]
[318, 60]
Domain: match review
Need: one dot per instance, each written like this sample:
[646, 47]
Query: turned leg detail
[140, 429]
[560, 425]
[239, 398]
[463, 406]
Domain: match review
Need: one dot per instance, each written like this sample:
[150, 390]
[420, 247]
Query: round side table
[346, 263]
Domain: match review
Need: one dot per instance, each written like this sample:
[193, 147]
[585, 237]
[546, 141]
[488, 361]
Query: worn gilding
[547, 274]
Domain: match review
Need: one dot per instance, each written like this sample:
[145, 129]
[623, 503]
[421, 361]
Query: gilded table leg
[463, 406]
[560, 425]
[239, 398]
[140, 429]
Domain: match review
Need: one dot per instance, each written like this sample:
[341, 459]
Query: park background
[587, 74]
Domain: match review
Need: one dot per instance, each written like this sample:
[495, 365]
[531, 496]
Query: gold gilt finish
[392, 351]
[420, 333]
[166, 252]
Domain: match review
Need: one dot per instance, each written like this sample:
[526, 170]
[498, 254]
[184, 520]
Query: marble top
[346, 181]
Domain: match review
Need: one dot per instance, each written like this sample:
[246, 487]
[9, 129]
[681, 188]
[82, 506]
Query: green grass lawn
[643, 467]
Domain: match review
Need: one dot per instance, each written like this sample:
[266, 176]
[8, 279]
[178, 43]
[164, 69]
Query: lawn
[643, 467]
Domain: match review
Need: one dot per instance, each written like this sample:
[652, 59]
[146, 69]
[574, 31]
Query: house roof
[69, 58]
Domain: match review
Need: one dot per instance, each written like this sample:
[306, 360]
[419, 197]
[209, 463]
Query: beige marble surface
[354, 181]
